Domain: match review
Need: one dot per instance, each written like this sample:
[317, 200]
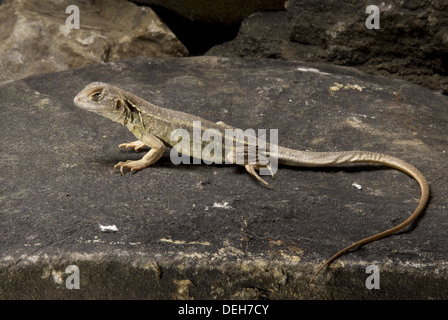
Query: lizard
[152, 126]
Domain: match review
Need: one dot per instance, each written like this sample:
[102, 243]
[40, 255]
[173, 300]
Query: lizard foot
[135, 144]
[134, 165]
[251, 167]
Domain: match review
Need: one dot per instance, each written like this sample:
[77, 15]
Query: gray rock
[56, 187]
[34, 38]
[411, 44]
[262, 35]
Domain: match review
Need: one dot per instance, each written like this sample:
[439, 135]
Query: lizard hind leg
[253, 166]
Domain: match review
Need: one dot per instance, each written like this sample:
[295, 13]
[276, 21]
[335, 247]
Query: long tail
[317, 159]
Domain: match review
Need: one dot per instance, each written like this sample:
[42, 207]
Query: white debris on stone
[357, 186]
[222, 205]
[112, 228]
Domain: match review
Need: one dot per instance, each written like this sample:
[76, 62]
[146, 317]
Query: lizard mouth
[81, 103]
[78, 100]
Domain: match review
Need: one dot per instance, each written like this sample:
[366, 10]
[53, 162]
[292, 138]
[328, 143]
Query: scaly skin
[152, 125]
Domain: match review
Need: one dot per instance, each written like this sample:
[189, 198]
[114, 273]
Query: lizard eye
[96, 96]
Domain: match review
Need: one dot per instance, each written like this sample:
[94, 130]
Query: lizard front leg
[156, 152]
[137, 145]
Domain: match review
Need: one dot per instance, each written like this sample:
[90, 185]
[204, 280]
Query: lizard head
[103, 99]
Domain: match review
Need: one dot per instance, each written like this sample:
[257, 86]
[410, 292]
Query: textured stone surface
[411, 44]
[34, 38]
[172, 242]
[262, 35]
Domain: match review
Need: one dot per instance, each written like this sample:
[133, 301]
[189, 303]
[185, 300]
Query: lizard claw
[134, 165]
[137, 145]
